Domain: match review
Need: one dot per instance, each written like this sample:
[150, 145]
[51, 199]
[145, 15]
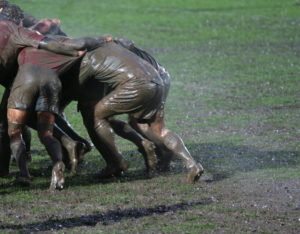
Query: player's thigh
[128, 98]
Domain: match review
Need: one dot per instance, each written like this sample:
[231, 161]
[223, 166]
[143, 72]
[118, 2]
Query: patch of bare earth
[253, 203]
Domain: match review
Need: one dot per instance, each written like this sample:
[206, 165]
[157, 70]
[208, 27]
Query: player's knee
[44, 138]
[14, 130]
[45, 132]
[100, 124]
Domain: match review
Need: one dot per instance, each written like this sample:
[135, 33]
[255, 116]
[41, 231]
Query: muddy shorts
[36, 89]
[141, 100]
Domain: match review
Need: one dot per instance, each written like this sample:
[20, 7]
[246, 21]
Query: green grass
[234, 99]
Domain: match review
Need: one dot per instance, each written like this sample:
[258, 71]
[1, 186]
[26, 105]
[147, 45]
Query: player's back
[113, 64]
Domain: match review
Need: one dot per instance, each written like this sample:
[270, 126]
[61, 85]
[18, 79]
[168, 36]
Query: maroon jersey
[13, 38]
[56, 62]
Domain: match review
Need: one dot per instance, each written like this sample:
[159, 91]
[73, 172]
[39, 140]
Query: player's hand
[108, 37]
[81, 52]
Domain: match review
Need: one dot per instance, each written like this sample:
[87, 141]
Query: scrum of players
[43, 70]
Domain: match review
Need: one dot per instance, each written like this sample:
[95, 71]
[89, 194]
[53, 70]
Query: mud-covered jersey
[13, 38]
[114, 65]
[56, 62]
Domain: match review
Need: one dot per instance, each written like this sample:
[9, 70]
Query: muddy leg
[102, 137]
[53, 147]
[4, 138]
[73, 150]
[16, 123]
[145, 147]
[174, 143]
[164, 156]
[161, 135]
[63, 124]
[57, 178]
[27, 140]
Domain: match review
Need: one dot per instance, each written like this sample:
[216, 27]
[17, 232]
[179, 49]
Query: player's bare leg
[102, 137]
[27, 140]
[74, 151]
[45, 132]
[16, 122]
[145, 147]
[161, 135]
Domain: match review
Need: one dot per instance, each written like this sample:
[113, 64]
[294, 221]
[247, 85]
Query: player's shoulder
[5, 22]
[6, 26]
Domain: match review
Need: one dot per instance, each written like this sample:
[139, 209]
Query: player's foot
[58, 179]
[111, 171]
[194, 173]
[149, 154]
[23, 181]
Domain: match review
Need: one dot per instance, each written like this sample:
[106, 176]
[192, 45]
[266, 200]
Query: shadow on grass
[79, 180]
[41, 173]
[224, 159]
[221, 160]
[105, 218]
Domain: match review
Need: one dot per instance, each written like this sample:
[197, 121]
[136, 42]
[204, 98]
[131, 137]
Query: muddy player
[112, 65]
[28, 20]
[181, 153]
[133, 86]
[37, 88]
[69, 138]
[123, 129]
[126, 131]
[49, 28]
[144, 145]
[14, 13]
[15, 38]
[12, 39]
[71, 141]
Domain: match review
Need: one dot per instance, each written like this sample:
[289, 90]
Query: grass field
[234, 99]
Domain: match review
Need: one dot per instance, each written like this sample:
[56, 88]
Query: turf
[234, 99]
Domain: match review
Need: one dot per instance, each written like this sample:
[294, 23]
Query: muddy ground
[240, 200]
[234, 100]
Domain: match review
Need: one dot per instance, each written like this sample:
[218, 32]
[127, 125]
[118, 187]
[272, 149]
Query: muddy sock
[18, 148]
[53, 148]
[27, 137]
[51, 144]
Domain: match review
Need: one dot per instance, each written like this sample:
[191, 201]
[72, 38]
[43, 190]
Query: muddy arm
[58, 47]
[89, 43]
